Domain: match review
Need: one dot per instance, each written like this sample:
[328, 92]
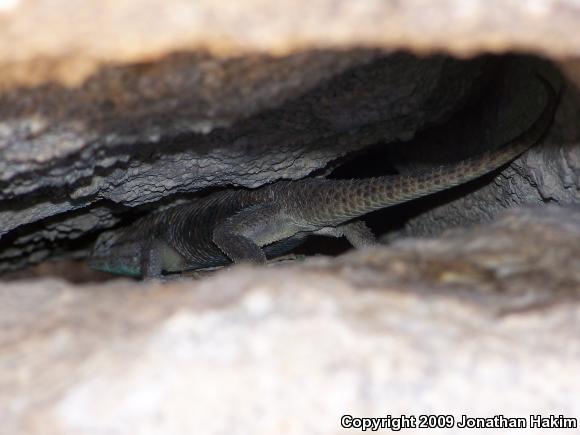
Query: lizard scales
[251, 225]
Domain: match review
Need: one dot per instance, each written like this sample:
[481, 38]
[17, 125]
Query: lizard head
[114, 254]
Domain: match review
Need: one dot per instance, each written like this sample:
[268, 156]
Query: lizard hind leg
[237, 247]
[241, 236]
[357, 233]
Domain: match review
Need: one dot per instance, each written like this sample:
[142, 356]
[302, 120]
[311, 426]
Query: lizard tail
[336, 201]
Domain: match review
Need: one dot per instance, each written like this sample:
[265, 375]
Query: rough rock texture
[108, 108]
[135, 135]
[116, 106]
[479, 322]
[548, 173]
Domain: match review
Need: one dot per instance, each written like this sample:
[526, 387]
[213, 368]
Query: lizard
[253, 225]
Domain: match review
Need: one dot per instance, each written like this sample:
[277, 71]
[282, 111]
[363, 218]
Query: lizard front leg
[151, 262]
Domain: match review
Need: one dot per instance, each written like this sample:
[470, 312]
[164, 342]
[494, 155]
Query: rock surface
[69, 46]
[479, 322]
[547, 173]
[72, 161]
[110, 109]
[114, 107]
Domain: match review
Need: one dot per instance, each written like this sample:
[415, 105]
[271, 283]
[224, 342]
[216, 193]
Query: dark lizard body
[252, 225]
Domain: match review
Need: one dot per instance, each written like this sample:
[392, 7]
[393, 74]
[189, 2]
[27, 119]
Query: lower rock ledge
[480, 322]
